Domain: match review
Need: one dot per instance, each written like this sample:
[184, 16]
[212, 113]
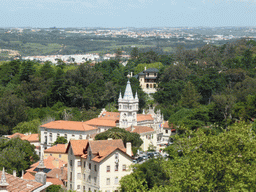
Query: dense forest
[209, 87]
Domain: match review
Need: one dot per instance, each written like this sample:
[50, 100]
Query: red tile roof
[59, 148]
[166, 126]
[69, 125]
[49, 163]
[17, 184]
[140, 129]
[110, 115]
[103, 148]
[77, 146]
[101, 121]
[31, 138]
[146, 117]
[15, 135]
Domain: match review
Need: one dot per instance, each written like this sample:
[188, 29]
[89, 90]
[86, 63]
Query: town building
[57, 151]
[97, 165]
[68, 129]
[128, 107]
[55, 171]
[148, 80]
[147, 134]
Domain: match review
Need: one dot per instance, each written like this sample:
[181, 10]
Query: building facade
[97, 165]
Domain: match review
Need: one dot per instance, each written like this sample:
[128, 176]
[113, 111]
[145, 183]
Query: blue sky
[127, 13]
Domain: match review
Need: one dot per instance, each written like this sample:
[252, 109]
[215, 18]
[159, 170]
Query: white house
[69, 129]
[97, 165]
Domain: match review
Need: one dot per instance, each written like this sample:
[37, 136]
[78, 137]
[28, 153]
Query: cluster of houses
[85, 164]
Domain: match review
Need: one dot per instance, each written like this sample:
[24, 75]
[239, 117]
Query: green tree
[60, 140]
[26, 127]
[16, 154]
[190, 96]
[220, 162]
[53, 188]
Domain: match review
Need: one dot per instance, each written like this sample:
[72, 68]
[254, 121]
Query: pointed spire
[128, 95]
[3, 182]
[136, 95]
[41, 166]
[120, 95]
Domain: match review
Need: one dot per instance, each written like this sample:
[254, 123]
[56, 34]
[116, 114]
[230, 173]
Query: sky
[127, 13]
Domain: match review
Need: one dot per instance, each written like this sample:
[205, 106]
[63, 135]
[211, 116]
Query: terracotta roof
[101, 121]
[31, 138]
[68, 125]
[17, 184]
[53, 180]
[103, 148]
[56, 171]
[77, 146]
[140, 129]
[59, 148]
[166, 125]
[15, 135]
[29, 176]
[49, 163]
[146, 117]
[110, 115]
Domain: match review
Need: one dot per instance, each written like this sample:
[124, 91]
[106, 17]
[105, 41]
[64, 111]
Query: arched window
[147, 86]
[150, 86]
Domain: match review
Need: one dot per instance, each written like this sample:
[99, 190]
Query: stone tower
[128, 107]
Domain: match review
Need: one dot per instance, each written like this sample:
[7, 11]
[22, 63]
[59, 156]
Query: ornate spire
[128, 95]
[120, 95]
[41, 166]
[136, 95]
[3, 182]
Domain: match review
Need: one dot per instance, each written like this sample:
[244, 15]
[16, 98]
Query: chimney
[145, 68]
[22, 174]
[132, 128]
[131, 74]
[14, 173]
[129, 148]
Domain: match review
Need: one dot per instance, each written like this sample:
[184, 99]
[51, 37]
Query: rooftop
[17, 184]
[139, 129]
[68, 125]
[59, 148]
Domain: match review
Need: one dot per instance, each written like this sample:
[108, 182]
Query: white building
[97, 165]
[69, 129]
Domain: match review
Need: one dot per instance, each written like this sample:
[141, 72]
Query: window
[108, 181]
[50, 136]
[50, 154]
[78, 163]
[90, 166]
[80, 137]
[78, 186]
[59, 155]
[78, 175]
[65, 135]
[84, 164]
[70, 163]
[45, 139]
[108, 168]
[84, 188]
[90, 155]
[116, 156]
[89, 189]
[70, 176]
[73, 135]
[116, 167]
[89, 178]
[95, 180]
[166, 131]
[116, 180]
[95, 167]
[70, 186]
[84, 177]
[124, 167]
[58, 135]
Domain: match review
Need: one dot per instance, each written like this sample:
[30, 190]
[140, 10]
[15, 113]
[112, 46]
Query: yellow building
[57, 151]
